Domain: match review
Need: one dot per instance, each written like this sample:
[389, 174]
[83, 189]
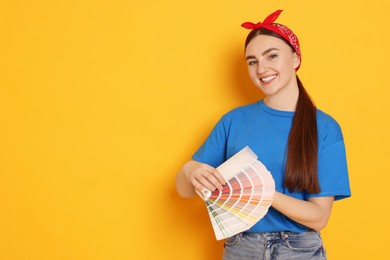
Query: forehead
[262, 43]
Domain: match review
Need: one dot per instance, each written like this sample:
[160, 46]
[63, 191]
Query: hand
[203, 176]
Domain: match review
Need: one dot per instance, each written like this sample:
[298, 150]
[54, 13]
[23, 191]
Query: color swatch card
[246, 197]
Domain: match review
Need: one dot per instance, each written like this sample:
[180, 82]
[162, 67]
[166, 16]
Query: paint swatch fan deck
[246, 197]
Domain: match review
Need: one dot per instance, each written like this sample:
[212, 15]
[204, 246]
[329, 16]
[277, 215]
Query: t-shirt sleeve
[332, 164]
[213, 150]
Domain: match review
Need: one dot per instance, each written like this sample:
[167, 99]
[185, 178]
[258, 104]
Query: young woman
[300, 145]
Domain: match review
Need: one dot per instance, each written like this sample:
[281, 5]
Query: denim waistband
[278, 234]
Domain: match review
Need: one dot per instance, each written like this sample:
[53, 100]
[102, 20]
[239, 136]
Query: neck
[286, 101]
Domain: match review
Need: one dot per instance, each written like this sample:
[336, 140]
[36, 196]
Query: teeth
[268, 78]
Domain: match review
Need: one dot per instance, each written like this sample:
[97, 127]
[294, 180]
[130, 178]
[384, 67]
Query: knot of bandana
[284, 31]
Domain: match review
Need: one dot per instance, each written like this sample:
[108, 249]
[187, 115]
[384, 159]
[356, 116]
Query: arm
[197, 176]
[313, 213]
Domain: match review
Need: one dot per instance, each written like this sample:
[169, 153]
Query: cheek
[252, 72]
[252, 76]
[255, 80]
[288, 64]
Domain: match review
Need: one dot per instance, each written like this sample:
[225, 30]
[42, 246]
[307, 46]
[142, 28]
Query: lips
[268, 78]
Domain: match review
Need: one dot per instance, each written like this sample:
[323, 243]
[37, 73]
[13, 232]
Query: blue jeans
[275, 245]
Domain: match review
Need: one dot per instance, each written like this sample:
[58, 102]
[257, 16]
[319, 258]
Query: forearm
[313, 213]
[183, 186]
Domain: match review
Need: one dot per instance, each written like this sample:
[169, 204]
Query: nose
[261, 67]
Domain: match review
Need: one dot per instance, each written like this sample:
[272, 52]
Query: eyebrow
[263, 53]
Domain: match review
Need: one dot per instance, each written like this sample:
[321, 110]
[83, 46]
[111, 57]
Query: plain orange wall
[101, 102]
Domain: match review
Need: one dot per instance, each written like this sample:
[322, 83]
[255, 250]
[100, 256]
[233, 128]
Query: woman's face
[271, 66]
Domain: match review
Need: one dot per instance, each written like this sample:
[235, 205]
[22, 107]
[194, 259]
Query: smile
[267, 79]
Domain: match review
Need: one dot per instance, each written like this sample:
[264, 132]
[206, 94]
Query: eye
[252, 62]
[272, 56]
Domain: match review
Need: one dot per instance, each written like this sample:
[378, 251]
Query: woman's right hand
[200, 176]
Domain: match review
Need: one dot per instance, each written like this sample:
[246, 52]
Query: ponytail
[302, 149]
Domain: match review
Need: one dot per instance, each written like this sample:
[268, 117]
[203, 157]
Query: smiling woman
[302, 146]
[271, 67]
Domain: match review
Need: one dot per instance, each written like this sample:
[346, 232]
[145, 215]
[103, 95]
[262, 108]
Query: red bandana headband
[280, 29]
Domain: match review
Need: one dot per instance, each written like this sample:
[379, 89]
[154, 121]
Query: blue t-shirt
[265, 131]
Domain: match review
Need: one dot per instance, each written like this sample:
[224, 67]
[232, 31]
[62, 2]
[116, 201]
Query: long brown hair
[301, 172]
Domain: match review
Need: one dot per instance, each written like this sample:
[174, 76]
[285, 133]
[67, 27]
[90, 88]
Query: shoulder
[328, 127]
[324, 119]
[238, 116]
[241, 111]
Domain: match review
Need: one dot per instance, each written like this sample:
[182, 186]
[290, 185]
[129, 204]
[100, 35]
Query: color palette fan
[246, 197]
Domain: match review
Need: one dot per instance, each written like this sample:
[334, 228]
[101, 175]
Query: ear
[296, 60]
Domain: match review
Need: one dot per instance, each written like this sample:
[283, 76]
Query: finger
[213, 179]
[209, 180]
[202, 191]
[206, 181]
[219, 176]
[215, 173]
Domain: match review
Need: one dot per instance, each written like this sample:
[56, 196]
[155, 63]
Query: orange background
[101, 102]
